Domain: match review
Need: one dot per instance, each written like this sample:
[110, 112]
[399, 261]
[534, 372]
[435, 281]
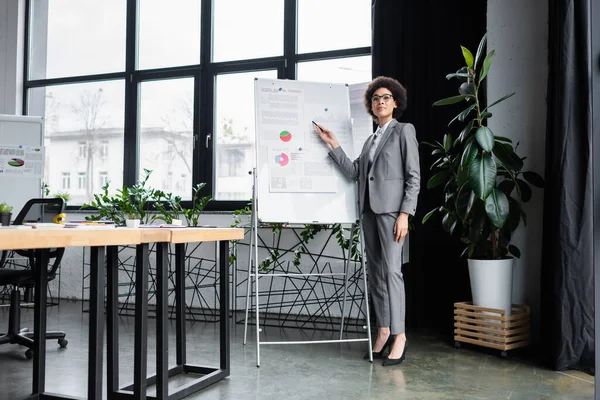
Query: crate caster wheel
[63, 343]
[503, 354]
[457, 345]
[29, 354]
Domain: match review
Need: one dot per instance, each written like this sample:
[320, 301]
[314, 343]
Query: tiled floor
[433, 369]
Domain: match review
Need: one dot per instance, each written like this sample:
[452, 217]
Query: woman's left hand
[401, 227]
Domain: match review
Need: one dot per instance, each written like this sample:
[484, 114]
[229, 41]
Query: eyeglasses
[385, 97]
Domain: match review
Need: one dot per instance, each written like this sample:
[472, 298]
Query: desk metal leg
[224, 305]
[180, 302]
[162, 344]
[141, 322]
[39, 332]
[112, 320]
[96, 320]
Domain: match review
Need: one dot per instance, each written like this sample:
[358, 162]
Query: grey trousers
[384, 261]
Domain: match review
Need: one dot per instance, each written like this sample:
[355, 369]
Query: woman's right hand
[327, 136]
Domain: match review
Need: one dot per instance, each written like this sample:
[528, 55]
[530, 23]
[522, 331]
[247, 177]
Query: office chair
[35, 210]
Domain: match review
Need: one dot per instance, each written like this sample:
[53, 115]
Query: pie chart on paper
[285, 136]
[16, 162]
[282, 159]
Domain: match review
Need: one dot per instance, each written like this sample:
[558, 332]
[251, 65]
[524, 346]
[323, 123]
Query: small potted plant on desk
[5, 214]
[63, 195]
[483, 184]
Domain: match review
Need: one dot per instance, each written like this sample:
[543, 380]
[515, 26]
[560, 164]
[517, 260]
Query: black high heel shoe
[378, 355]
[395, 361]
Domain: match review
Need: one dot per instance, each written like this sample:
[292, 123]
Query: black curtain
[567, 291]
[418, 42]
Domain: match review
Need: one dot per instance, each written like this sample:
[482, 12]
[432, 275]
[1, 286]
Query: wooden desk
[206, 375]
[41, 241]
[108, 240]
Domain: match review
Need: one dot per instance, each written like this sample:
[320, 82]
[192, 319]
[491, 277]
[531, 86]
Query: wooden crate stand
[490, 327]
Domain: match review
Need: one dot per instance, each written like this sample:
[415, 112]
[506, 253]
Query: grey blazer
[394, 178]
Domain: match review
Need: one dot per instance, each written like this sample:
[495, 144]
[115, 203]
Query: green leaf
[464, 134]
[514, 251]
[465, 113]
[462, 176]
[498, 101]
[533, 178]
[514, 216]
[436, 145]
[429, 215]
[497, 207]
[479, 221]
[486, 115]
[469, 154]
[502, 139]
[458, 75]
[482, 174]
[485, 138]
[480, 50]
[468, 56]
[450, 100]
[447, 142]
[525, 190]
[438, 179]
[464, 201]
[486, 65]
[507, 158]
[507, 186]
[448, 221]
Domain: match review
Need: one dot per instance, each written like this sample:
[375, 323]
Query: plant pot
[176, 222]
[5, 218]
[491, 283]
[132, 223]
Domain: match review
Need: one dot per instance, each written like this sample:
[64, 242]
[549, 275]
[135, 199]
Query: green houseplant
[5, 214]
[483, 179]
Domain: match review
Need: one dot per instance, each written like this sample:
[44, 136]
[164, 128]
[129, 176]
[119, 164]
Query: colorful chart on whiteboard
[21, 161]
[299, 160]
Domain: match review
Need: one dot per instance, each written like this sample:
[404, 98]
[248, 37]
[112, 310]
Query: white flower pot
[176, 222]
[491, 283]
[132, 223]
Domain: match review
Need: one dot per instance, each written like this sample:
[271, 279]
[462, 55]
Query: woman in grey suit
[388, 177]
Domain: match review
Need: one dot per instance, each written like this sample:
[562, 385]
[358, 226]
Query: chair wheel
[29, 354]
[63, 343]
[503, 354]
[457, 345]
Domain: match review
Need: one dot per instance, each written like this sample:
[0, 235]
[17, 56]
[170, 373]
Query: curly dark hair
[398, 91]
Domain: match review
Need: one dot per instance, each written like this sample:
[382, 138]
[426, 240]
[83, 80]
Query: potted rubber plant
[5, 214]
[484, 185]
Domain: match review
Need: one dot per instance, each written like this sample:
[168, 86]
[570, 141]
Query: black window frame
[204, 74]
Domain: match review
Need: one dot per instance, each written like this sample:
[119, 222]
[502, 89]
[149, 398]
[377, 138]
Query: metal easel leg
[346, 271]
[366, 291]
[248, 280]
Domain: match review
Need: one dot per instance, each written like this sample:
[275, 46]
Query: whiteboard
[17, 131]
[297, 182]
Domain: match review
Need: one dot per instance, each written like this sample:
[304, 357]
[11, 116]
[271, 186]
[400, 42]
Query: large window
[82, 122]
[166, 131]
[171, 89]
[235, 136]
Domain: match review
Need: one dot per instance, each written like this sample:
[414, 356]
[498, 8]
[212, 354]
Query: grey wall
[12, 17]
[518, 30]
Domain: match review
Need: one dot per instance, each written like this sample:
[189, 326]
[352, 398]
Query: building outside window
[66, 180]
[83, 150]
[103, 179]
[104, 149]
[81, 181]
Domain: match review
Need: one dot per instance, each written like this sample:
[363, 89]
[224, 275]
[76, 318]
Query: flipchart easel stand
[253, 273]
